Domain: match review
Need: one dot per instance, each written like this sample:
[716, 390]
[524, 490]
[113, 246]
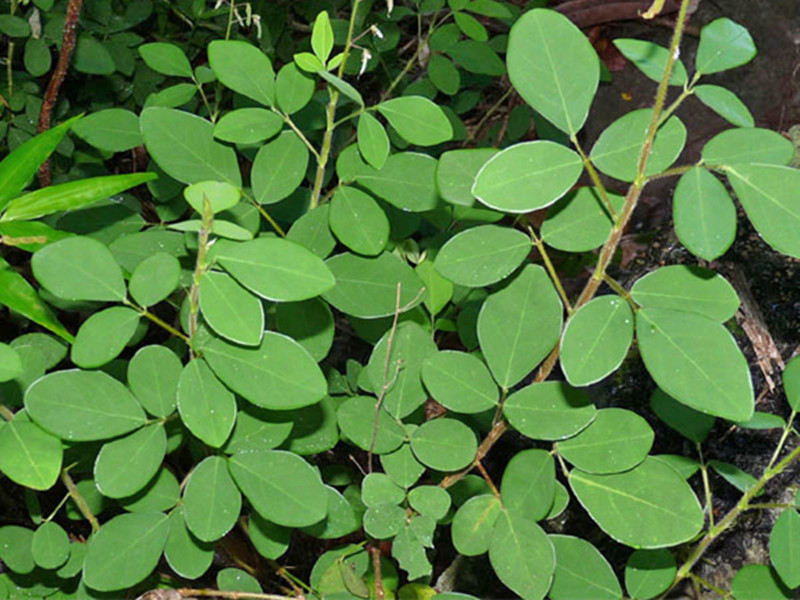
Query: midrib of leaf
[32, 462]
[589, 354]
[179, 141]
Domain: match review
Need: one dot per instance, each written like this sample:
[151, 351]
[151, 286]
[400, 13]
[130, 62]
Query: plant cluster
[345, 282]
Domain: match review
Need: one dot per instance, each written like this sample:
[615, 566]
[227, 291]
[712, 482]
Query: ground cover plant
[292, 314]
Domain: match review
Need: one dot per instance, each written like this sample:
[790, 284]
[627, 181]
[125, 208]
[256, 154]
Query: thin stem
[200, 268]
[671, 172]
[782, 441]
[487, 478]
[211, 114]
[375, 552]
[6, 413]
[189, 592]
[324, 155]
[83, 507]
[487, 115]
[620, 291]
[288, 120]
[770, 506]
[52, 515]
[422, 43]
[278, 229]
[150, 316]
[550, 269]
[595, 177]
[706, 485]
[10, 56]
[707, 584]
[230, 21]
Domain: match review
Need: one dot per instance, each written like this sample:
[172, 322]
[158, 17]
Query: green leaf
[739, 479]
[439, 289]
[580, 221]
[696, 361]
[460, 382]
[444, 444]
[258, 429]
[50, 545]
[280, 374]
[444, 74]
[153, 375]
[244, 69]
[528, 303]
[408, 548]
[281, 486]
[322, 36]
[418, 120]
[103, 336]
[314, 429]
[310, 323]
[112, 129]
[411, 344]
[784, 547]
[402, 466]
[367, 287]
[482, 255]
[279, 168]
[753, 582]
[185, 554]
[430, 501]
[551, 410]
[269, 540]
[384, 521]
[616, 152]
[37, 58]
[15, 549]
[596, 340]
[52, 350]
[312, 231]
[581, 571]
[236, 580]
[356, 418]
[456, 171]
[687, 288]
[651, 59]
[18, 295]
[79, 268]
[748, 145]
[92, 57]
[183, 146]
[477, 57]
[276, 269]
[527, 176]
[358, 221]
[763, 420]
[726, 104]
[173, 96]
[522, 556]
[18, 168]
[72, 195]
[703, 213]
[293, 89]
[650, 506]
[344, 87]
[248, 126]
[308, 62]
[82, 406]
[528, 484]
[29, 456]
[682, 465]
[473, 524]
[30, 235]
[230, 310]
[221, 196]
[378, 488]
[560, 501]
[373, 141]
[771, 198]
[126, 465]
[154, 279]
[617, 440]
[724, 45]
[553, 67]
[405, 181]
[206, 406]
[14, 26]
[161, 493]
[211, 501]
[125, 551]
[167, 59]
[648, 573]
[690, 423]
[791, 383]
[10, 363]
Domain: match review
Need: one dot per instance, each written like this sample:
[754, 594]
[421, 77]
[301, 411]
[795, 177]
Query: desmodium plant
[342, 301]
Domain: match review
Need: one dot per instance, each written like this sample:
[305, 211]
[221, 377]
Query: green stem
[6, 413]
[671, 172]
[288, 120]
[267, 217]
[423, 43]
[150, 316]
[687, 91]
[200, 269]
[771, 506]
[621, 291]
[551, 270]
[706, 485]
[83, 507]
[708, 585]
[782, 441]
[487, 115]
[595, 177]
[10, 56]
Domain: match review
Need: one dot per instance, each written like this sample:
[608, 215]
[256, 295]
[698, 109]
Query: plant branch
[550, 269]
[595, 177]
[79, 500]
[706, 485]
[6, 413]
[200, 269]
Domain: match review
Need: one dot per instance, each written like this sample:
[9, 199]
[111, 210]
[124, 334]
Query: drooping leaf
[103, 336]
[417, 120]
[29, 456]
[124, 466]
[10, 363]
[741, 480]
[651, 59]
[551, 410]
[703, 213]
[83, 406]
[243, 68]
[345, 88]
[161, 493]
[460, 382]
[649, 506]
[207, 408]
[269, 540]
[183, 146]
[402, 466]
[527, 176]
[791, 383]
[153, 375]
[696, 361]
[276, 269]
[528, 303]
[581, 571]
[596, 340]
[281, 486]
[687, 288]
[125, 551]
[771, 198]
[279, 374]
[439, 290]
[482, 255]
[617, 440]
[154, 279]
[293, 89]
[748, 145]
[211, 501]
[553, 67]
[724, 45]
[310, 323]
[312, 231]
